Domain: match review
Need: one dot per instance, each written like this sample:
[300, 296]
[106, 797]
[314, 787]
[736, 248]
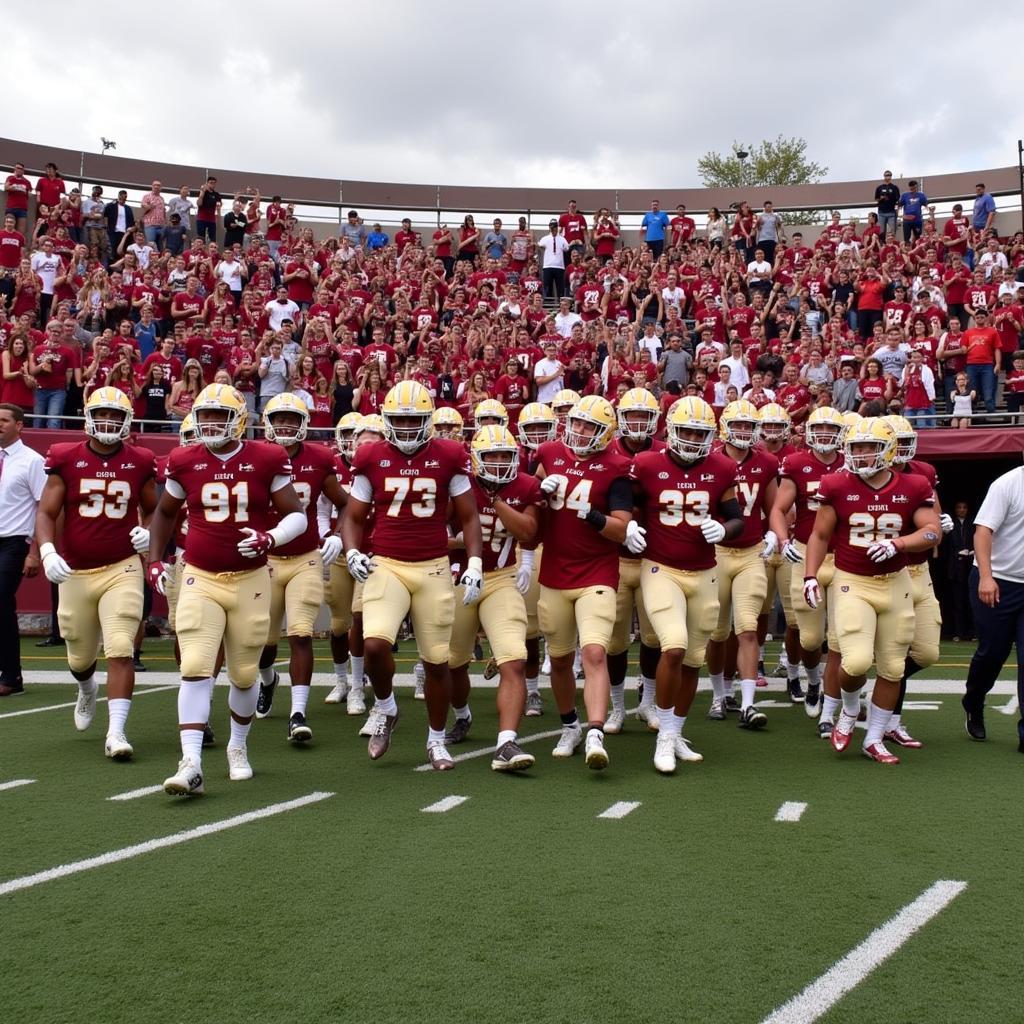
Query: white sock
[851, 702]
[239, 733]
[760, 654]
[647, 700]
[666, 720]
[88, 685]
[242, 702]
[829, 707]
[878, 722]
[577, 662]
[680, 721]
[894, 722]
[434, 736]
[784, 660]
[117, 713]
[718, 684]
[357, 670]
[267, 675]
[533, 685]
[463, 712]
[192, 744]
[300, 698]
[194, 701]
[341, 672]
[386, 705]
[505, 736]
[748, 687]
[814, 675]
[619, 697]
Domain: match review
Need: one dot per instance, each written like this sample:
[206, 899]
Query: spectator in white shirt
[280, 309]
[549, 373]
[739, 367]
[565, 318]
[553, 248]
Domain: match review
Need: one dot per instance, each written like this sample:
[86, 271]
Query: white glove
[636, 538]
[812, 592]
[524, 574]
[713, 530]
[140, 539]
[550, 484]
[946, 522]
[472, 581]
[771, 545]
[55, 568]
[882, 551]
[331, 549]
[359, 565]
[791, 553]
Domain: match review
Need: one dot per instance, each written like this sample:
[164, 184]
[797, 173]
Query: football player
[448, 423]
[234, 491]
[589, 512]
[409, 479]
[637, 414]
[875, 518]
[800, 478]
[340, 583]
[924, 649]
[742, 579]
[490, 413]
[507, 503]
[297, 568]
[537, 424]
[105, 489]
[682, 491]
[565, 400]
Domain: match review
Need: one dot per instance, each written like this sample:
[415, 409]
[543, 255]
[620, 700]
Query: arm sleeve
[459, 485]
[280, 480]
[620, 495]
[323, 515]
[361, 489]
[730, 509]
[174, 489]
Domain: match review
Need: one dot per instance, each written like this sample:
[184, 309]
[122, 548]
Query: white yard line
[445, 805]
[821, 995]
[485, 751]
[134, 794]
[16, 783]
[620, 809]
[791, 810]
[128, 852]
[71, 704]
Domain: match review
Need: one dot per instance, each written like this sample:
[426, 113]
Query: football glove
[713, 530]
[946, 522]
[882, 551]
[812, 592]
[55, 568]
[156, 574]
[636, 538]
[256, 544]
[771, 545]
[331, 549]
[551, 484]
[139, 537]
[472, 582]
[359, 565]
[791, 553]
[524, 574]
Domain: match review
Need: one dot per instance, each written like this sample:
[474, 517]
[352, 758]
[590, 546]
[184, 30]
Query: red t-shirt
[50, 191]
[63, 359]
[17, 187]
[981, 343]
[12, 245]
[513, 393]
[573, 226]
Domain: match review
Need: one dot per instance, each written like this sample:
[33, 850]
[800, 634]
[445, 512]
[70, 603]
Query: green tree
[777, 161]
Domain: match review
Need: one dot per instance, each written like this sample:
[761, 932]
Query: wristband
[46, 549]
[596, 519]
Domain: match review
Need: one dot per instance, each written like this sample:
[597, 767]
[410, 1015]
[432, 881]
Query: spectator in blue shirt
[653, 227]
[913, 203]
[496, 241]
[984, 209]
[377, 238]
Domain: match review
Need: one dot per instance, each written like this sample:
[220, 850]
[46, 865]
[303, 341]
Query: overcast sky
[533, 92]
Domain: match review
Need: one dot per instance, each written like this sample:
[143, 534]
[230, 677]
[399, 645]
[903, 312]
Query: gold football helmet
[875, 442]
[739, 424]
[108, 415]
[598, 413]
[906, 439]
[448, 423]
[219, 398]
[691, 429]
[537, 424]
[408, 412]
[638, 414]
[494, 455]
[824, 430]
[285, 402]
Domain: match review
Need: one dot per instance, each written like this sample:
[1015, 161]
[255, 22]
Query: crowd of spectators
[193, 287]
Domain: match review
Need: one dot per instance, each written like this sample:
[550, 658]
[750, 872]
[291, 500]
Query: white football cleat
[421, 679]
[684, 752]
[571, 738]
[356, 701]
[186, 781]
[596, 755]
[117, 747]
[370, 725]
[338, 693]
[85, 708]
[648, 713]
[665, 753]
[239, 768]
[614, 722]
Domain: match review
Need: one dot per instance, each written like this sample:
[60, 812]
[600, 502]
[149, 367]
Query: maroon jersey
[753, 475]
[101, 500]
[312, 464]
[223, 496]
[806, 471]
[575, 554]
[866, 516]
[676, 500]
[618, 447]
[927, 471]
[410, 494]
[499, 551]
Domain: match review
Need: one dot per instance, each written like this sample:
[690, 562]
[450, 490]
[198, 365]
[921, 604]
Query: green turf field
[520, 904]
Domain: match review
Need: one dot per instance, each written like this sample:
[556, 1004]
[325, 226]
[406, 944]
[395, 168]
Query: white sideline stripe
[15, 783]
[620, 809]
[821, 995]
[484, 751]
[134, 794]
[447, 804]
[791, 810]
[71, 704]
[128, 852]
